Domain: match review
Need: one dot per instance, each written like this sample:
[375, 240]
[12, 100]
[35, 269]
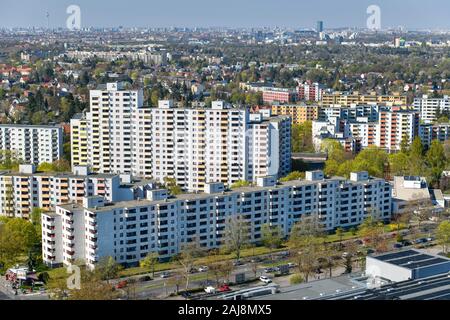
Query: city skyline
[231, 14]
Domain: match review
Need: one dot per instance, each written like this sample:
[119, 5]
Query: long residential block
[128, 231]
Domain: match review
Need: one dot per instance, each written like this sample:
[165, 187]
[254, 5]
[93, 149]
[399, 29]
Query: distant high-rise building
[319, 27]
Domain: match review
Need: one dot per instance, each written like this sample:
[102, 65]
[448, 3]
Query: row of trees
[416, 160]
[413, 160]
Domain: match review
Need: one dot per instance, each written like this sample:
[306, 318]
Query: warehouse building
[406, 265]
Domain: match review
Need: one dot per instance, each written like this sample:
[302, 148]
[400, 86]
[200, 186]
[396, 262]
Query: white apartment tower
[31, 144]
[114, 120]
[428, 107]
[194, 146]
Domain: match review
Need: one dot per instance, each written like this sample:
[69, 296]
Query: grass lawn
[58, 273]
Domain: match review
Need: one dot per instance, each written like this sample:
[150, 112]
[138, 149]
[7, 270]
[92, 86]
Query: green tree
[372, 160]
[150, 262]
[443, 235]
[108, 269]
[417, 161]
[302, 140]
[45, 167]
[295, 175]
[372, 229]
[307, 239]
[171, 185]
[399, 164]
[436, 160]
[272, 237]
[36, 215]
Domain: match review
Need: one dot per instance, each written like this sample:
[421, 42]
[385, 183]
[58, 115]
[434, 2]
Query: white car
[265, 279]
[203, 269]
[210, 290]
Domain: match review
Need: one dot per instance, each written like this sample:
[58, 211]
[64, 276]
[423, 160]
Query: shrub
[296, 279]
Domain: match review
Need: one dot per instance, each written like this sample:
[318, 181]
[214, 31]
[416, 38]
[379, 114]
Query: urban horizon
[232, 15]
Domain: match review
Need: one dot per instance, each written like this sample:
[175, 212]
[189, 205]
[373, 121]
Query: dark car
[193, 270]
[145, 279]
[398, 245]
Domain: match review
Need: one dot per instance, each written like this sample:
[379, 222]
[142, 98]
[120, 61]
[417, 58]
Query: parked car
[145, 279]
[292, 265]
[269, 270]
[398, 245]
[265, 279]
[224, 288]
[122, 284]
[203, 269]
[165, 275]
[359, 242]
[210, 290]
[238, 263]
[407, 243]
[193, 270]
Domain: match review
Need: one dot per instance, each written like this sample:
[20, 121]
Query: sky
[412, 14]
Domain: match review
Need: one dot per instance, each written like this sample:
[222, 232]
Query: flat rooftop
[411, 259]
[317, 289]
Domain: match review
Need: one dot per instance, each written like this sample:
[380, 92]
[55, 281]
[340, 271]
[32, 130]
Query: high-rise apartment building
[310, 91]
[191, 145]
[31, 144]
[394, 127]
[114, 136]
[370, 125]
[217, 144]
